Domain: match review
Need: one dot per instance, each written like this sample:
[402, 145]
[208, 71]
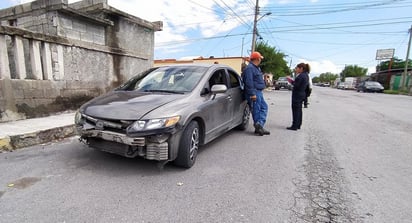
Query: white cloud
[184, 20]
[371, 70]
[323, 66]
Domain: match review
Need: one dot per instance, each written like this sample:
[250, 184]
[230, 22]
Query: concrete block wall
[54, 58]
[131, 36]
[78, 73]
[80, 30]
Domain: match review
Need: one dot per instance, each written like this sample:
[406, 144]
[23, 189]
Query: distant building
[392, 79]
[234, 62]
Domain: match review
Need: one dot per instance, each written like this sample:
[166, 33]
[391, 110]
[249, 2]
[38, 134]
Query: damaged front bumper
[101, 135]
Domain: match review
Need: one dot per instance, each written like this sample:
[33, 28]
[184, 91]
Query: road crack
[321, 194]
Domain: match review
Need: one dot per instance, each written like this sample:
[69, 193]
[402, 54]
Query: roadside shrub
[391, 91]
[404, 92]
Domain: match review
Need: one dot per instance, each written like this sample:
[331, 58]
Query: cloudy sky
[328, 34]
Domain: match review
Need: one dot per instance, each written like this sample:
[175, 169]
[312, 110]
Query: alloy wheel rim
[194, 143]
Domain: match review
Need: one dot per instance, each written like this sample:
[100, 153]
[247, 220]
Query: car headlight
[157, 123]
[78, 119]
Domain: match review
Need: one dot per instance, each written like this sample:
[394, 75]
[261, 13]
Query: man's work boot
[265, 131]
[259, 130]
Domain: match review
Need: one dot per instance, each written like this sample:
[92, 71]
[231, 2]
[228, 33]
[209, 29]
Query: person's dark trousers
[297, 114]
[308, 91]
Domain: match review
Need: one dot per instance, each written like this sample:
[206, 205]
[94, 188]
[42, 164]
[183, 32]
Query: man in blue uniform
[254, 85]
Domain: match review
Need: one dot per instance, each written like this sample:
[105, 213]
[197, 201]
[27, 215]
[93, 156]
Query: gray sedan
[166, 113]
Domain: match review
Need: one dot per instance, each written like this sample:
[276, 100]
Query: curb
[10, 143]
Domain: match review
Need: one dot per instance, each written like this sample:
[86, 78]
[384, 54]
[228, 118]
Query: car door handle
[229, 97]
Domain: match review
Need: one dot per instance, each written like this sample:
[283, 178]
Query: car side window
[219, 77]
[234, 79]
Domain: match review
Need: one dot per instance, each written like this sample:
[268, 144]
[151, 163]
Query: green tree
[396, 64]
[273, 61]
[353, 71]
[327, 77]
[316, 80]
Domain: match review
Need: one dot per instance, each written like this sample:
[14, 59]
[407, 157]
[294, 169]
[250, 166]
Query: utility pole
[254, 26]
[405, 72]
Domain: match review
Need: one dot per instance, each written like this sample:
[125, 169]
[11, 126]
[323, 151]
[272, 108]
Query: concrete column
[4, 58]
[35, 59]
[61, 61]
[47, 61]
[19, 58]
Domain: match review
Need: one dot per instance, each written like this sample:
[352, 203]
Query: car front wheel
[189, 145]
[245, 119]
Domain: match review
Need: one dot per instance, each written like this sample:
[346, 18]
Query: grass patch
[391, 92]
[403, 92]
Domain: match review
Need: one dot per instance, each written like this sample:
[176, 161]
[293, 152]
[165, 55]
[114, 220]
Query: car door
[237, 103]
[217, 109]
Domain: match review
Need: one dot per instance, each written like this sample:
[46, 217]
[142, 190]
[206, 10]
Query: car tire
[188, 146]
[245, 119]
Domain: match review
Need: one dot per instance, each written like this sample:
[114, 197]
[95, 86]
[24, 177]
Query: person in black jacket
[300, 84]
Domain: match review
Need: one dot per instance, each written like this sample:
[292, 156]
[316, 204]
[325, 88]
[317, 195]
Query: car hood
[126, 105]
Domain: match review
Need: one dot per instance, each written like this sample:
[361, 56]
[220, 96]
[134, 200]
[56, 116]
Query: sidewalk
[29, 132]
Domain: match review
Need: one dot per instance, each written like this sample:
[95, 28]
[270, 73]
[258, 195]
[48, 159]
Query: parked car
[341, 86]
[370, 86]
[282, 82]
[166, 113]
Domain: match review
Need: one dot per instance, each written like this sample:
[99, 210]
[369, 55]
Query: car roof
[207, 65]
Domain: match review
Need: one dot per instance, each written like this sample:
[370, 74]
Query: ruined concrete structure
[54, 56]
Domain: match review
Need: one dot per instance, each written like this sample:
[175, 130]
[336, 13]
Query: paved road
[350, 162]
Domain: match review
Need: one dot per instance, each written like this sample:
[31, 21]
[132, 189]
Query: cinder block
[87, 37]
[73, 34]
[78, 26]
[33, 93]
[7, 12]
[66, 23]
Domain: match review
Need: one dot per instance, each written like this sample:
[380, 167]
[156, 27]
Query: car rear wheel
[245, 119]
[189, 145]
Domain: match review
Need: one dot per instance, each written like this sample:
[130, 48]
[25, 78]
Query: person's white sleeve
[310, 82]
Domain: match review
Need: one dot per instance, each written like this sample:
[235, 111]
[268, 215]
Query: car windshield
[373, 84]
[172, 79]
[282, 79]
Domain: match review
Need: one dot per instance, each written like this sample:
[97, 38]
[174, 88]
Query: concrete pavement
[28, 132]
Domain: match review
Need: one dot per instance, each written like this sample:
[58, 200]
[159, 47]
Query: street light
[255, 29]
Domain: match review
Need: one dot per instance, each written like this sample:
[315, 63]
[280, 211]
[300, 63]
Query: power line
[333, 8]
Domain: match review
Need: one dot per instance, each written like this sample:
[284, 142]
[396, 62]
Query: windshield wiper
[165, 91]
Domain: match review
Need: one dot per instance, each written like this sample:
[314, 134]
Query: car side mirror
[218, 88]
